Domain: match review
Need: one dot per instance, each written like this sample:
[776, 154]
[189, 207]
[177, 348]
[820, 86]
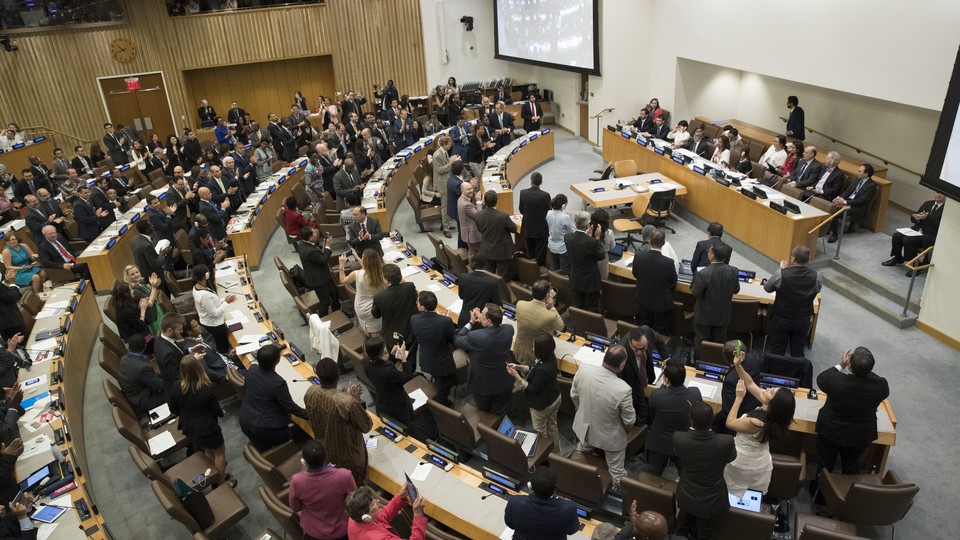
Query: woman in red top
[791, 162]
[293, 219]
[370, 520]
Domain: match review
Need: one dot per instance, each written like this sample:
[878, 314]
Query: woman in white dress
[754, 429]
[721, 155]
[369, 281]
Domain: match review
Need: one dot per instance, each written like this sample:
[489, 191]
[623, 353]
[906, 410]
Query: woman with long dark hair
[540, 387]
[131, 314]
[754, 431]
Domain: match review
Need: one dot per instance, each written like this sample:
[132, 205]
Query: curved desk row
[510, 164]
[80, 315]
[18, 159]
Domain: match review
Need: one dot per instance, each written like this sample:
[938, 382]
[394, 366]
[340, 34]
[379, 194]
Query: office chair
[659, 208]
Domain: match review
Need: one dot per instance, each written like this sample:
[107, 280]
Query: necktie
[803, 167]
[860, 185]
[64, 253]
[220, 183]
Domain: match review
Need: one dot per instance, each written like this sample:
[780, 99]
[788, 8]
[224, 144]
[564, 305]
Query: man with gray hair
[585, 249]
[667, 249]
[829, 183]
[467, 214]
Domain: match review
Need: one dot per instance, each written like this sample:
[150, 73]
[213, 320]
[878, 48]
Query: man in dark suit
[828, 183]
[36, 216]
[807, 171]
[55, 252]
[714, 235]
[714, 287]
[751, 364]
[28, 185]
[927, 221]
[585, 249]
[847, 422]
[81, 161]
[207, 114]
[138, 381]
[11, 320]
[168, 350]
[235, 113]
[179, 195]
[534, 205]
[216, 215]
[353, 104]
[100, 200]
[365, 232]
[476, 290]
[274, 128]
[433, 335]
[496, 236]
[86, 214]
[656, 276]
[532, 114]
[40, 170]
[403, 133]
[460, 135]
[669, 413]
[502, 95]
[488, 342]
[796, 286]
[660, 128]
[501, 125]
[643, 123]
[795, 122]
[116, 145]
[541, 514]
[395, 305]
[345, 181]
[702, 492]
[315, 259]
[643, 345]
[698, 144]
[858, 197]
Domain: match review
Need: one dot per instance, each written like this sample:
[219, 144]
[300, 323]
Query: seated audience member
[702, 496]
[340, 418]
[670, 413]
[721, 155]
[267, 405]
[927, 221]
[858, 197]
[133, 316]
[20, 258]
[488, 343]
[141, 385]
[643, 123]
[775, 156]
[55, 252]
[698, 144]
[679, 134]
[828, 183]
[660, 128]
[319, 493]
[744, 165]
[754, 430]
[646, 525]
[542, 514]
[370, 519]
[807, 170]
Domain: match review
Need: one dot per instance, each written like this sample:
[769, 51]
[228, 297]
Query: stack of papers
[408, 271]
[589, 355]
[906, 231]
[160, 443]
[706, 391]
[419, 398]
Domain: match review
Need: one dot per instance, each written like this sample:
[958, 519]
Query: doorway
[583, 105]
[138, 100]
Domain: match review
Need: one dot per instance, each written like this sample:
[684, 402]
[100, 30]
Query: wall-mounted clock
[123, 50]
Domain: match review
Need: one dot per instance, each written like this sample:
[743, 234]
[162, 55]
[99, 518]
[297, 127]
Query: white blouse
[210, 307]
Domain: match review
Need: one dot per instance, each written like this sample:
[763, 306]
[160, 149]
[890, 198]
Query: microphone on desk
[300, 380]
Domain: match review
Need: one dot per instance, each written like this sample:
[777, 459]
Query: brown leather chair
[130, 430]
[177, 286]
[28, 319]
[518, 292]
[282, 223]
[352, 339]
[651, 493]
[109, 338]
[813, 527]
[824, 206]
[116, 398]
[584, 321]
[711, 352]
[681, 321]
[636, 438]
[339, 322]
[422, 213]
[285, 515]
[355, 358]
[228, 509]
[275, 466]
[788, 475]
[188, 469]
[182, 242]
[505, 295]
[746, 525]
[528, 271]
[458, 260]
[460, 426]
[744, 318]
[434, 532]
[237, 382]
[565, 295]
[582, 477]
[110, 310]
[441, 255]
[506, 451]
[618, 300]
[868, 499]
[110, 362]
[566, 402]
[32, 302]
[796, 193]
[299, 192]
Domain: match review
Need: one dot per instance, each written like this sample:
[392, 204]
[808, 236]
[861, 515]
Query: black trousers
[444, 384]
[716, 334]
[500, 268]
[785, 331]
[827, 452]
[657, 462]
[537, 249]
[658, 320]
[493, 403]
[700, 528]
[907, 247]
[325, 295]
[219, 334]
[263, 438]
[589, 301]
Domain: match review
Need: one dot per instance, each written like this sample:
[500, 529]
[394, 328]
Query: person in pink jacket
[370, 520]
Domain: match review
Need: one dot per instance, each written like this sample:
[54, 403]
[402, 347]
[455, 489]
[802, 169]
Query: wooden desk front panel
[754, 223]
[252, 241]
[19, 159]
[107, 266]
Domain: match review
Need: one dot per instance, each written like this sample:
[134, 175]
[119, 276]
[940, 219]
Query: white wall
[941, 296]
[470, 53]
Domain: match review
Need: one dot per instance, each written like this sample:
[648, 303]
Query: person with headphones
[370, 519]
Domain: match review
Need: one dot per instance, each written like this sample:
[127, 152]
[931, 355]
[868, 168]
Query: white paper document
[161, 245]
[907, 231]
[160, 413]
[408, 271]
[251, 338]
[456, 307]
[248, 348]
[393, 256]
[419, 398]
[45, 345]
[589, 355]
[161, 443]
[421, 472]
[434, 287]
[35, 446]
[706, 391]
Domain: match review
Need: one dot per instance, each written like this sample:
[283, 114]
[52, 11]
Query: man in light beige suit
[604, 410]
[534, 317]
[467, 214]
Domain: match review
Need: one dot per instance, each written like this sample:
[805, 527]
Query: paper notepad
[419, 398]
[161, 443]
[251, 338]
[456, 307]
[248, 348]
[907, 231]
[408, 271]
[421, 472]
[706, 391]
[588, 355]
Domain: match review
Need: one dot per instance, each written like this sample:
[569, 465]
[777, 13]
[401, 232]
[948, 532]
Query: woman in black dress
[132, 316]
[195, 401]
[391, 398]
[540, 387]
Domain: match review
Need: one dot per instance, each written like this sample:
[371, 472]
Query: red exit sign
[133, 84]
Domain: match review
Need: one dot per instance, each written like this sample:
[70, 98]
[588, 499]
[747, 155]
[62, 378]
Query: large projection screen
[559, 34]
[943, 167]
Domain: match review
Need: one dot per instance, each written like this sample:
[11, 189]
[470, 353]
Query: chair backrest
[277, 165]
[282, 219]
[789, 191]
[116, 397]
[453, 426]
[876, 505]
[787, 366]
[640, 204]
[457, 264]
[280, 265]
[824, 206]
[528, 271]
[504, 451]
[129, 429]
[110, 310]
[693, 125]
[434, 532]
[147, 465]
[265, 470]
[303, 201]
[111, 339]
[133, 200]
[32, 302]
[28, 319]
[414, 202]
[110, 362]
[237, 382]
[438, 248]
[747, 525]
[744, 316]
[617, 299]
[519, 292]
[661, 201]
[502, 287]
[812, 532]
[607, 172]
[787, 477]
[584, 321]
[583, 482]
[359, 368]
[625, 168]
[711, 352]
[561, 283]
[171, 280]
[649, 497]
[183, 244]
[566, 402]
[288, 285]
[328, 203]
[756, 170]
[283, 513]
[174, 508]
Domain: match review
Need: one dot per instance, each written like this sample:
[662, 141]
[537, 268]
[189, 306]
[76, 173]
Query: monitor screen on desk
[564, 37]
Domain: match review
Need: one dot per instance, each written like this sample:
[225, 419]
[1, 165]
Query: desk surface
[624, 190]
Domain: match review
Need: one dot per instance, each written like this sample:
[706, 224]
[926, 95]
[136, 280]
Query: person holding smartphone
[370, 518]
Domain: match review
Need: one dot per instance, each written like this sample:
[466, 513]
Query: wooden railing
[843, 223]
[859, 150]
[914, 270]
[60, 137]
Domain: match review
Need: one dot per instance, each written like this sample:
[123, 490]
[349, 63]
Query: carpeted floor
[915, 365]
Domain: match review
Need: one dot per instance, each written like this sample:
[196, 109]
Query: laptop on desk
[527, 439]
[615, 253]
[686, 271]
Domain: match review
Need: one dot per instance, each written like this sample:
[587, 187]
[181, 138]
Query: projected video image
[552, 31]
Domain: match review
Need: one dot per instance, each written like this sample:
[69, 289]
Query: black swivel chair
[659, 208]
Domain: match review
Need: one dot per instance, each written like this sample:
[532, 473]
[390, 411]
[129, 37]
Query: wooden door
[584, 109]
[145, 108]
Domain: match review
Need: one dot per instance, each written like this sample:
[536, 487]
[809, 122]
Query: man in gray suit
[496, 236]
[604, 410]
[142, 386]
[346, 180]
[714, 287]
